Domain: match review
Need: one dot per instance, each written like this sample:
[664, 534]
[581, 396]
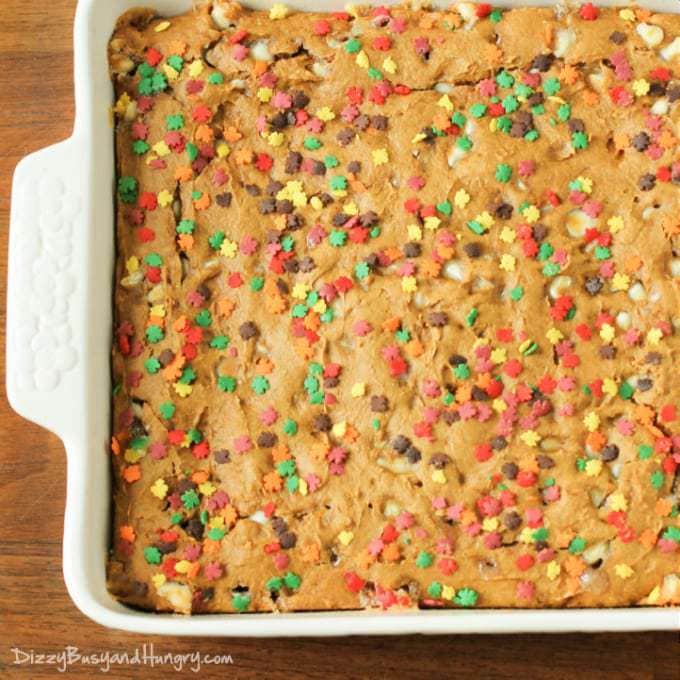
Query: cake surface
[396, 309]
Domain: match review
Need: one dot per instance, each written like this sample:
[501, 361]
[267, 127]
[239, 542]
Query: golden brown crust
[436, 364]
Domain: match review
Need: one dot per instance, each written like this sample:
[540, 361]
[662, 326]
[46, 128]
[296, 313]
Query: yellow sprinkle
[183, 566]
[654, 336]
[438, 477]
[627, 14]
[409, 284]
[302, 487]
[345, 537]
[499, 405]
[607, 332]
[316, 203]
[170, 72]
[617, 501]
[592, 421]
[228, 248]
[609, 387]
[362, 60]
[553, 570]
[121, 105]
[264, 94]
[620, 282]
[350, 208]
[415, 233]
[530, 437]
[325, 114]
[276, 138]
[593, 467]
[158, 580]
[196, 68]
[507, 263]
[499, 355]
[207, 488]
[432, 222]
[132, 455]
[278, 11]
[448, 593]
[615, 224]
[358, 389]
[183, 390]
[339, 429]
[300, 291]
[640, 87]
[320, 306]
[554, 335]
[485, 219]
[531, 214]
[216, 522]
[158, 310]
[508, 235]
[418, 138]
[623, 571]
[389, 66]
[490, 524]
[461, 199]
[223, 150]
[159, 488]
[161, 148]
[165, 198]
[132, 265]
[445, 103]
[526, 535]
[380, 156]
[524, 346]
[653, 597]
[586, 184]
[163, 26]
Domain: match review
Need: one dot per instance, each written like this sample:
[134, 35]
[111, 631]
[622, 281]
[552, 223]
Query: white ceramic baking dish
[58, 346]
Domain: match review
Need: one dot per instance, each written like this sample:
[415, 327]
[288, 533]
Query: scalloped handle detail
[47, 227]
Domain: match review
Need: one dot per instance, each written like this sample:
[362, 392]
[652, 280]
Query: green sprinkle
[216, 78]
[472, 316]
[577, 545]
[464, 143]
[466, 597]
[140, 147]
[374, 74]
[496, 16]
[331, 162]
[434, 589]
[186, 227]
[579, 140]
[645, 451]
[337, 238]
[286, 468]
[204, 318]
[127, 189]
[256, 284]
[402, 335]
[352, 46]
[564, 112]
[226, 383]
[176, 62]
[292, 580]
[510, 103]
[672, 534]
[657, 479]
[152, 555]
[504, 79]
[312, 143]
[190, 499]
[175, 121]
[517, 293]
[476, 227]
[240, 601]
[477, 110]
[260, 384]
[424, 560]
[274, 584]
[152, 365]
[219, 342]
[216, 534]
[540, 534]
[188, 376]
[361, 270]
[462, 371]
[154, 334]
[299, 311]
[551, 86]
[215, 240]
[290, 427]
[195, 436]
[503, 172]
[445, 208]
[626, 390]
[167, 410]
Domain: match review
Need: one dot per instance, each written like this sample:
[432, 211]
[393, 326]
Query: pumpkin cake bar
[397, 308]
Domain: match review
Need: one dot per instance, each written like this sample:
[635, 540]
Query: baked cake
[396, 308]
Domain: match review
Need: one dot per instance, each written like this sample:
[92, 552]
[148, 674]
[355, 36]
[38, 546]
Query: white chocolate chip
[675, 267]
[596, 552]
[443, 88]
[623, 320]
[480, 283]
[637, 292]
[660, 106]
[577, 222]
[651, 35]
[260, 50]
[671, 51]
[565, 38]
[559, 284]
[178, 595]
[453, 269]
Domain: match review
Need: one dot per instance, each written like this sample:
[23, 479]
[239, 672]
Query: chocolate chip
[457, 359]
[440, 460]
[472, 250]
[248, 330]
[512, 520]
[273, 188]
[363, 122]
[451, 417]
[318, 169]
[437, 319]
[354, 167]
[412, 249]
[252, 189]
[594, 284]
[300, 99]
[183, 485]
[503, 211]
[282, 287]
[510, 470]
[401, 443]
[368, 219]
[647, 182]
[293, 162]
[194, 527]
[330, 383]
[653, 358]
[610, 452]
[379, 122]
[536, 99]
[284, 207]
[288, 540]
[607, 351]
[576, 125]
[139, 589]
[345, 136]
[641, 141]
[499, 442]
[307, 264]
[545, 462]
[266, 440]
[657, 89]
[137, 428]
[280, 121]
[518, 130]
[267, 206]
[291, 266]
[645, 384]
[673, 93]
[340, 219]
[221, 457]
[413, 454]
[539, 232]
[166, 547]
[379, 403]
[478, 394]
[618, 38]
[322, 422]
[224, 199]
[294, 222]
[203, 291]
[542, 62]
[279, 525]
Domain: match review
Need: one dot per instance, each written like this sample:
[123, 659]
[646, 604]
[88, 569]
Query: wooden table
[37, 614]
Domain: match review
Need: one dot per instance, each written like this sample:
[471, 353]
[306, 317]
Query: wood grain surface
[36, 109]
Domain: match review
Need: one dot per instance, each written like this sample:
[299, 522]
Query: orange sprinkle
[132, 473]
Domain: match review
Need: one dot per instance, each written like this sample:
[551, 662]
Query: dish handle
[46, 245]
